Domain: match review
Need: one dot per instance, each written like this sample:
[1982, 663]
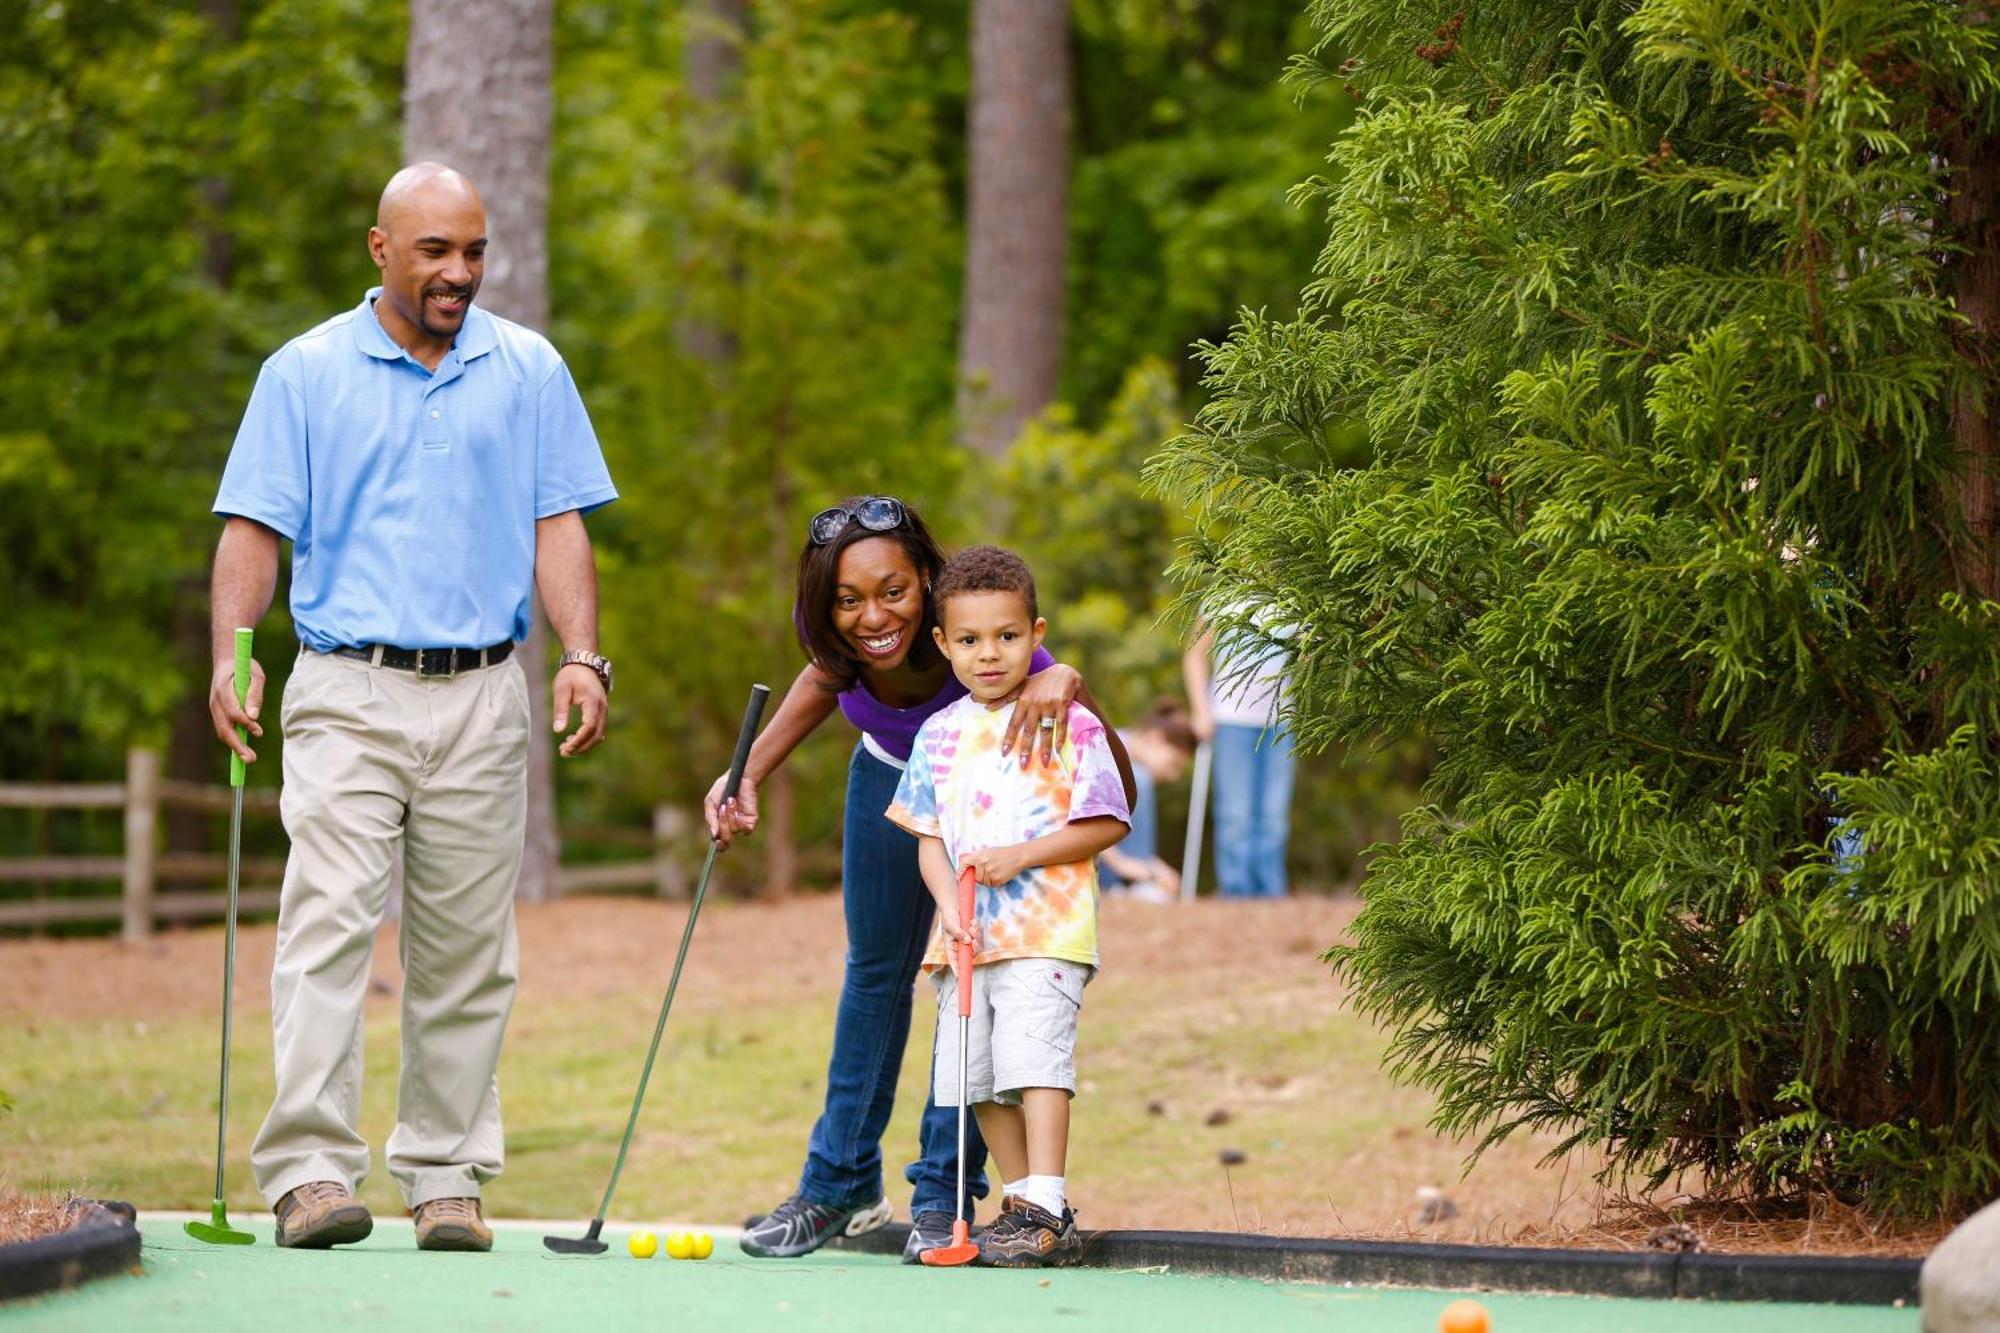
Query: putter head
[217, 1231]
[587, 1243]
[960, 1252]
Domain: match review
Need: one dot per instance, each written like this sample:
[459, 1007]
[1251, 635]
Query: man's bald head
[424, 186]
[429, 240]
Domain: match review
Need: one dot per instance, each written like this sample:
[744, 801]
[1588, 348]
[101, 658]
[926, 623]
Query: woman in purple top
[864, 617]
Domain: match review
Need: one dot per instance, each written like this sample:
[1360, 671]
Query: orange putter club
[961, 1250]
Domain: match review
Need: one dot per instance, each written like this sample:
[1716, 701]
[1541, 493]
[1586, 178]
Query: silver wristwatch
[601, 665]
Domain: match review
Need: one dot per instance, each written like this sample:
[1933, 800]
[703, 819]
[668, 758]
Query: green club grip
[243, 638]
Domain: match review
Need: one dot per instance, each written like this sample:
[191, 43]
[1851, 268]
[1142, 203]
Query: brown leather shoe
[320, 1215]
[452, 1224]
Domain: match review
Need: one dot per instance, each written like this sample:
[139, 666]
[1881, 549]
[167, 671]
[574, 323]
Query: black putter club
[588, 1243]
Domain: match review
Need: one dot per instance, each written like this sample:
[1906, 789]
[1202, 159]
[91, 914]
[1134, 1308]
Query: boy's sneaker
[798, 1226]
[928, 1231]
[1027, 1235]
[320, 1215]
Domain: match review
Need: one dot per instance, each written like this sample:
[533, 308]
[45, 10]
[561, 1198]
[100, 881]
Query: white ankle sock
[1014, 1187]
[1043, 1191]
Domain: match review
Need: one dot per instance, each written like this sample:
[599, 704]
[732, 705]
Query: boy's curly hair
[984, 569]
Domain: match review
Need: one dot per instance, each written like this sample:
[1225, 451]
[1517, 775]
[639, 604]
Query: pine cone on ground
[1675, 1238]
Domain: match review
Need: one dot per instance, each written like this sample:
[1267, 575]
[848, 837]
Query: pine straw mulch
[1818, 1225]
[32, 1216]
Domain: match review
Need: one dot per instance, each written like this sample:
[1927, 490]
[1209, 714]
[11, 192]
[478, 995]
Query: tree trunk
[193, 752]
[1975, 224]
[714, 48]
[711, 61]
[779, 794]
[1010, 337]
[477, 96]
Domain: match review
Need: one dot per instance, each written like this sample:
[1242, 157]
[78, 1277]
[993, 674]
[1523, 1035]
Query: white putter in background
[1197, 816]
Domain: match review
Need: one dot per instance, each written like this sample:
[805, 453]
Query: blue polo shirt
[410, 496]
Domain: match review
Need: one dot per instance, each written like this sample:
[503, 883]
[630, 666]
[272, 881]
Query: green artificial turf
[386, 1285]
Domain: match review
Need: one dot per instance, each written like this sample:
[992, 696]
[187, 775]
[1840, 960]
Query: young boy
[1160, 748]
[1030, 833]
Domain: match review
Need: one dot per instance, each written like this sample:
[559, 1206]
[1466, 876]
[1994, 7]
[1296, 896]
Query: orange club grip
[968, 880]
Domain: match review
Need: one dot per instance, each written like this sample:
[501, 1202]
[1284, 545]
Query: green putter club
[217, 1231]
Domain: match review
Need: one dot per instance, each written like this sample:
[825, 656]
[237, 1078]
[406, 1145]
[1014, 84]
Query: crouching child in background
[1160, 746]
[1030, 832]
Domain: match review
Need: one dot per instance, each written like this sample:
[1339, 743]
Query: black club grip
[753, 713]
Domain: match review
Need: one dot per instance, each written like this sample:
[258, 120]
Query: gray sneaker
[799, 1226]
[320, 1215]
[928, 1231]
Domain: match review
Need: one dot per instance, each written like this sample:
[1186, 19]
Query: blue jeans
[889, 915]
[1142, 838]
[1251, 778]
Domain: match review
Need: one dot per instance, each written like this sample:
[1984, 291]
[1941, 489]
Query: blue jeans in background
[1142, 838]
[889, 915]
[1250, 776]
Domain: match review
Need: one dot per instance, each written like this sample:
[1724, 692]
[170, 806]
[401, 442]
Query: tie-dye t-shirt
[961, 789]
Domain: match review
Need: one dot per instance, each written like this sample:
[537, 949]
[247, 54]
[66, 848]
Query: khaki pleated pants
[374, 758]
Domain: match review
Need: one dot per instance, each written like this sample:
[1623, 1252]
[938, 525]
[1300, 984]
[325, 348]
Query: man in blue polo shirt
[431, 465]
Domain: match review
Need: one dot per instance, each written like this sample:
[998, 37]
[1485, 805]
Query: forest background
[1671, 330]
[189, 186]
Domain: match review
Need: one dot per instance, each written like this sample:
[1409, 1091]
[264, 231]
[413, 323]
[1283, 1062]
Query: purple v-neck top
[895, 729]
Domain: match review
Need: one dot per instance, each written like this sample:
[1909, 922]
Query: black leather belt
[430, 661]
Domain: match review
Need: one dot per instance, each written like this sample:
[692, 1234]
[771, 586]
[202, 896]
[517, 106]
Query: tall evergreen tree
[715, 32]
[821, 260]
[1648, 312]
[178, 193]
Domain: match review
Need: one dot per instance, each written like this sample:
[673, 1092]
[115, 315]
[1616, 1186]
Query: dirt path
[744, 953]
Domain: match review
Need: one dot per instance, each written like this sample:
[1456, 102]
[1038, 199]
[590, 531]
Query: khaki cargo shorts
[1023, 1029]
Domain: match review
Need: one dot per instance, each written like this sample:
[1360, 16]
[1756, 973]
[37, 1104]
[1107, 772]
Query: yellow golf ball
[642, 1244]
[704, 1245]
[680, 1245]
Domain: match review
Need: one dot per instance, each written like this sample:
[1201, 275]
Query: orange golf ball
[1464, 1317]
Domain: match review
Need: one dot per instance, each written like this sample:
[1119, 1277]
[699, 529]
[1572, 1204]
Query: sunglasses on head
[876, 513]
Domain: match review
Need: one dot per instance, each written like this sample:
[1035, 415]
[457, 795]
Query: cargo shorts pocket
[1058, 998]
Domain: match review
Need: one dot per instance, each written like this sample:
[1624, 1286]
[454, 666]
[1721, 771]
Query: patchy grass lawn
[1213, 1027]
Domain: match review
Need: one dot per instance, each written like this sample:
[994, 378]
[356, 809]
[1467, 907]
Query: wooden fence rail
[142, 866]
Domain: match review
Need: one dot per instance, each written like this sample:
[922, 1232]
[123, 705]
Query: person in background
[1160, 746]
[1236, 689]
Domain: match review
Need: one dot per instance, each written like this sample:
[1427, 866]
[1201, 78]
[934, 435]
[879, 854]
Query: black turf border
[1376, 1263]
[103, 1242]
